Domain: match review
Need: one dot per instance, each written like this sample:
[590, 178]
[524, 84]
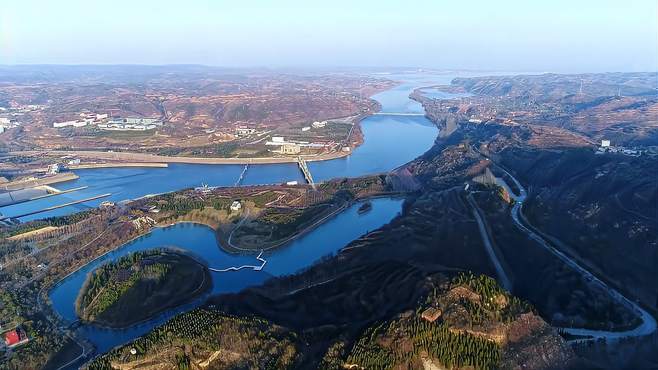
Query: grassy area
[401, 342]
[110, 134]
[9, 231]
[277, 224]
[221, 150]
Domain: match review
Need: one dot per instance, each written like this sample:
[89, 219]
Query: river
[200, 240]
[389, 141]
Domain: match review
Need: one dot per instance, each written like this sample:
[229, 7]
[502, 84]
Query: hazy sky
[496, 35]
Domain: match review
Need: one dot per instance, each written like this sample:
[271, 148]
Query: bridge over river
[399, 114]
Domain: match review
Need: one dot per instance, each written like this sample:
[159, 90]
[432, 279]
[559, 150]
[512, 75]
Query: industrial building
[104, 122]
[75, 123]
[245, 131]
[290, 148]
[130, 124]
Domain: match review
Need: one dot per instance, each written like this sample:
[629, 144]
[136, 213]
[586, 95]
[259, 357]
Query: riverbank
[154, 160]
[118, 165]
[34, 182]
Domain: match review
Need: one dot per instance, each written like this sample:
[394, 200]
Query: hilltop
[477, 323]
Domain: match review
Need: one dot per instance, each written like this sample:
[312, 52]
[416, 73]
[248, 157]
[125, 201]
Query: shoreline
[117, 164]
[153, 160]
[31, 183]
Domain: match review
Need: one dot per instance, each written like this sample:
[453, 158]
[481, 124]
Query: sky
[537, 36]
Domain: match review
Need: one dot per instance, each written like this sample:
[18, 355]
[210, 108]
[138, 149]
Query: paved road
[486, 239]
[648, 325]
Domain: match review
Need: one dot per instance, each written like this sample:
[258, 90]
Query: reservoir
[200, 241]
[389, 142]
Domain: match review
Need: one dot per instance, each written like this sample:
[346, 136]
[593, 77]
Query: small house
[431, 314]
[15, 337]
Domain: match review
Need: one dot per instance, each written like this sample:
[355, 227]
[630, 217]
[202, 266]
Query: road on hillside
[648, 325]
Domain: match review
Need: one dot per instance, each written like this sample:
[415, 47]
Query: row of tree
[402, 342]
[106, 285]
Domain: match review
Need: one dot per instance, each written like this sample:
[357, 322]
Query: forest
[256, 342]
[108, 283]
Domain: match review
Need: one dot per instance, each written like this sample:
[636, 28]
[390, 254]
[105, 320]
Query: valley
[331, 286]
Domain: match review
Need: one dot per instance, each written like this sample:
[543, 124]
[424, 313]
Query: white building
[70, 123]
[605, 143]
[318, 124]
[244, 131]
[307, 128]
[290, 148]
[278, 139]
[236, 205]
[53, 169]
[4, 121]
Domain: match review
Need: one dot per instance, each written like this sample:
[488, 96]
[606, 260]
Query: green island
[140, 285]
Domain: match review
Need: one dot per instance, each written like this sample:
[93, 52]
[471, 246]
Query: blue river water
[200, 241]
[389, 141]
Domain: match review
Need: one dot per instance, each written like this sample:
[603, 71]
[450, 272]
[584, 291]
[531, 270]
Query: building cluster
[244, 131]
[6, 123]
[56, 168]
[130, 124]
[84, 120]
[9, 118]
[316, 124]
[105, 122]
[283, 146]
[606, 147]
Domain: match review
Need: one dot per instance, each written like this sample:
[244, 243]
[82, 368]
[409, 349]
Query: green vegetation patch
[495, 302]
[403, 342]
[285, 222]
[140, 285]
[9, 231]
[195, 336]
[179, 205]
